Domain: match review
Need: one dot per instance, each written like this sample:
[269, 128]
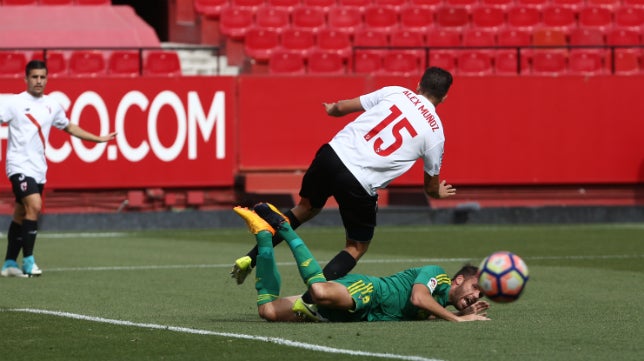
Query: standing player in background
[30, 115]
[397, 127]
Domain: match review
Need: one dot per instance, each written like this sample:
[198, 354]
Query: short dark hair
[436, 82]
[467, 271]
[35, 64]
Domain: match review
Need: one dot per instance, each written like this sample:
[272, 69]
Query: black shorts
[23, 186]
[327, 176]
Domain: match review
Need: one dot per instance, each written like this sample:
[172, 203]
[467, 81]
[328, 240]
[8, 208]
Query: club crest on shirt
[432, 284]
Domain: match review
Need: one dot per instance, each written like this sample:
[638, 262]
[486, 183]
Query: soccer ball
[502, 276]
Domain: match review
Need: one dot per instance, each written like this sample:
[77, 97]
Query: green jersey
[388, 298]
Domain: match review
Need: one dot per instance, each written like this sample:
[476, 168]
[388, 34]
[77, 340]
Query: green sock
[309, 268]
[267, 278]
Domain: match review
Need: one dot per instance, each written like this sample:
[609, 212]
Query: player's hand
[107, 138]
[476, 308]
[446, 190]
[474, 317]
[330, 109]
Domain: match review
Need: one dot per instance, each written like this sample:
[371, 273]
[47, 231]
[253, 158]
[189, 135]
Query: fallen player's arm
[343, 107]
[422, 298]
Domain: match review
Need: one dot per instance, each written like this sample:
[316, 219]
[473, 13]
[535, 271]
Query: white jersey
[397, 128]
[30, 120]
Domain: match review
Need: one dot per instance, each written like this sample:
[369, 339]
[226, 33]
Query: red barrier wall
[201, 131]
[500, 130]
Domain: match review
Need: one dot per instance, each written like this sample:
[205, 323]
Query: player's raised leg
[268, 279]
[308, 267]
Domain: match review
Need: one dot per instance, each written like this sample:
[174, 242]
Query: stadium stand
[87, 63]
[12, 64]
[488, 18]
[211, 8]
[400, 63]
[259, 44]
[287, 5]
[286, 62]
[336, 42]
[380, 18]
[272, 18]
[298, 41]
[597, 17]
[474, 63]
[327, 63]
[344, 19]
[523, 18]
[161, 63]
[235, 22]
[308, 18]
[416, 18]
[452, 17]
[123, 63]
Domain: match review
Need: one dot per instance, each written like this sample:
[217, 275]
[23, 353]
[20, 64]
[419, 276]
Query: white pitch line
[275, 340]
[372, 261]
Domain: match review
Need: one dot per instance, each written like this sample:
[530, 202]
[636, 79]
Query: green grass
[583, 300]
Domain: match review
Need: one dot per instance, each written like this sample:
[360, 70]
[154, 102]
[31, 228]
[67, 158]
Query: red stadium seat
[454, 18]
[323, 5]
[252, 5]
[479, 38]
[284, 62]
[324, 62]
[380, 18]
[235, 22]
[209, 8]
[335, 41]
[465, 4]
[596, 17]
[586, 63]
[370, 38]
[287, 5]
[359, 5]
[12, 64]
[549, 63]
[366, 63]
[513, 37]
[489, 18]
[416, 18]
[574, 5]
[629, 18]
[560, 18]
[308, 18]
[507, 62]
[500, 4]
[443, 38]
[523, 18]
[611, 4]
[391, 4]
[534, 4]
[87, 63]
[620, 36]
[585, 37]
[442, 59]
[259, 44]
[344, 19]
[124, 63]
[626, 62]
[474, 63]
[426, 4]
[161, 63]
[56, 2]
[298, 41]
[400, 63]
[407, 38]
[272, 18]
[549, 37]
[56, 61]
[630, 3]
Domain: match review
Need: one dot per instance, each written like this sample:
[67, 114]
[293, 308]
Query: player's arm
[437, 189]
[343, 107]
[81, 133]
[422, 298]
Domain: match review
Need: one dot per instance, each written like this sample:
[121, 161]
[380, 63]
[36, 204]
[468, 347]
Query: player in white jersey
[30, 116]
[397, 127]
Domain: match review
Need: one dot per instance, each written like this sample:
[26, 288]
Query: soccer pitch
[167, 295]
